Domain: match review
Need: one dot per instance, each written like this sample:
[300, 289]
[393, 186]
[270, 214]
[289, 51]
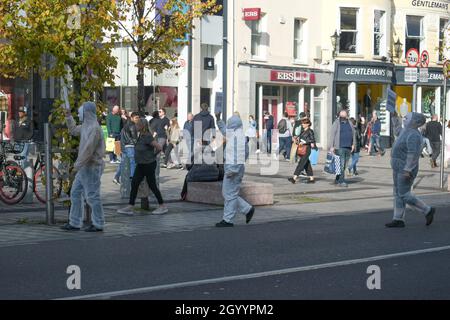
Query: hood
[89, 112]
[414, 120]
[204, 113]
[234, 123]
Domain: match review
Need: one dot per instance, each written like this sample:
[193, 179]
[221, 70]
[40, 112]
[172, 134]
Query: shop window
[379, 32]
[256, 38]
[271, 91]
[349, 30]
[342, 97]
[442, 24]
[414, 32]
[299, 46]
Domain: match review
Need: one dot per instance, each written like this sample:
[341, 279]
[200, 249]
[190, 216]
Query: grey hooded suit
[405, 165]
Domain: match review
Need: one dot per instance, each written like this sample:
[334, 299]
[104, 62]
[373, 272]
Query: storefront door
[271, 104]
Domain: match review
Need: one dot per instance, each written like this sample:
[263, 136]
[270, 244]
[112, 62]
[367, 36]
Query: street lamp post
[398, 48]
[335, 39]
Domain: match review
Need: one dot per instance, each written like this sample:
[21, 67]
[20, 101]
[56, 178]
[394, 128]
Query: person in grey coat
[236, 152]
[405, 165]
[342, 143]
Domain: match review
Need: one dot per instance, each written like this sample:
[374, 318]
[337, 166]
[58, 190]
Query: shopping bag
[329, 164]
[110, 142]
[117, 148]
[314, 157]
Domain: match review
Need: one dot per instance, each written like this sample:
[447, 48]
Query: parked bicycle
[13, 180]
[40, 179]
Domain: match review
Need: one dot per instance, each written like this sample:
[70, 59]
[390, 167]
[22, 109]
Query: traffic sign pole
[444, 112]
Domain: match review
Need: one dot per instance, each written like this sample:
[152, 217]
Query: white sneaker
[257, 151]
[116, 181]
[160, 210]
[128, 210]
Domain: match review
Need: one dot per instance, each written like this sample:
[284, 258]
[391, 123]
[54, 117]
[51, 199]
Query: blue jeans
[404, 196]
[128, 152]
[233, 202]
[344, 155]
[355, 159]
[376, 147]
[24, 153]
[269, 141]
[285, 143]
[87, 184]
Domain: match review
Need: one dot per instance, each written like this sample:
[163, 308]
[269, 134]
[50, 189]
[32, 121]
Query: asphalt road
[323, 258]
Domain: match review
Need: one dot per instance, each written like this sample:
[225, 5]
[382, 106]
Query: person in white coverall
[89, 166]
[236, 152]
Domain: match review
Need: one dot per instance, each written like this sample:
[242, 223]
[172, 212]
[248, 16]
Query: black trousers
[145, 171]
[304, 163]
[436, 147]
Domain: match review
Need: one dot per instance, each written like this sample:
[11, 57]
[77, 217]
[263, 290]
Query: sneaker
[112, 162]
[343, 185]
[163, 165]
[180, 167]
[69, 227]
[224, 224]
[257, 151]
[170, 166]
[430, 216]
[395, 224]
[249, 215]
[349, 172]
[356, 173]
[128, 210]
[160, 210]
[116, 181]
[292, 180]
[93, 228]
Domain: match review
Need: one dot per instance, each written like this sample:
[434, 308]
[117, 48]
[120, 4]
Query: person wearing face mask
[89, 167]
[405, 166]
[342, 142]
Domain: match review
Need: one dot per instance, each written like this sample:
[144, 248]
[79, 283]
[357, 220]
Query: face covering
[80, 114]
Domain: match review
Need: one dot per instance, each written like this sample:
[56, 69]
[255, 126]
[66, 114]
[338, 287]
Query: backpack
[282, 126]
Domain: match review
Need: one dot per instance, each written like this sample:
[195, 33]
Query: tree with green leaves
[156, 29]
[70, 40]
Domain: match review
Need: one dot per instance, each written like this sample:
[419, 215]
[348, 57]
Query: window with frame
[413, 32]
[379, 32]
[299, 39]
[442, 24]
[349, 30]
[256, 38]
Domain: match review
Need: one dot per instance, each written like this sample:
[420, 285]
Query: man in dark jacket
[208, 127]
[433, 131]
[114, 126]
[268, 118]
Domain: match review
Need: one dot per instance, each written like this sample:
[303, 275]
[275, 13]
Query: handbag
[110, 143]
[117, 148]
[301, 150]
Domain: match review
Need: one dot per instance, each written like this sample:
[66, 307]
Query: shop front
[422, 92]
[361, 88]
[280, 89]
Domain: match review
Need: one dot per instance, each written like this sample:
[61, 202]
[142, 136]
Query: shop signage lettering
[293, 76]
[436, 76]
[252, 14]
[365, 72]
[430, 4]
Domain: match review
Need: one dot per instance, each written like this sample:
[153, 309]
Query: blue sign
[391, 100]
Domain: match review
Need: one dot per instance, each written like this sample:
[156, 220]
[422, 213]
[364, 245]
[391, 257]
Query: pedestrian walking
[269, 122]
[307, 141]
[174, 140]
[433, 132]
[375, 136]
[128, 139]
[285, 136]
[114, 127]
[251, 135]
[208, 127]
[89, 167]
[342, 142]
[146, 150]
[23, 132]
[236, 152]
[405, 166]
[352, 169]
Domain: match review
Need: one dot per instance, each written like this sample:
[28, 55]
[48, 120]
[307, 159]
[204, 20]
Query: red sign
[291, 109]
[292, 76]
[252, 14]
[412, 58]
[424, 59]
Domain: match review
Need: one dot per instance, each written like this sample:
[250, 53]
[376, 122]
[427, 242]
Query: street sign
[412, 57]
[423, 75]
[391, 100]
[410, 74]
[424, 59]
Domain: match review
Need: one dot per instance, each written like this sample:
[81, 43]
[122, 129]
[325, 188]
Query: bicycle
[39, 178]
[13, 179]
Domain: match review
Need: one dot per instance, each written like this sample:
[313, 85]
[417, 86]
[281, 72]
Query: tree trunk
[141, 86]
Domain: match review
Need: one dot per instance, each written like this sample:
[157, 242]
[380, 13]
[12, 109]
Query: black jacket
[129, 134]
[23, 130]
[308, 137]
[208, 123]
[433, 131]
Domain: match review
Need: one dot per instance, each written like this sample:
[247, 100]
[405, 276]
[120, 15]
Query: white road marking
[111, 294]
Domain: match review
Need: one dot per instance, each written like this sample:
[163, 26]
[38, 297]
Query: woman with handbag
[304, 142]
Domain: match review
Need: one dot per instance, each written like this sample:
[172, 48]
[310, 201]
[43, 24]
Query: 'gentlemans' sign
[430, 4]
[367, 73]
